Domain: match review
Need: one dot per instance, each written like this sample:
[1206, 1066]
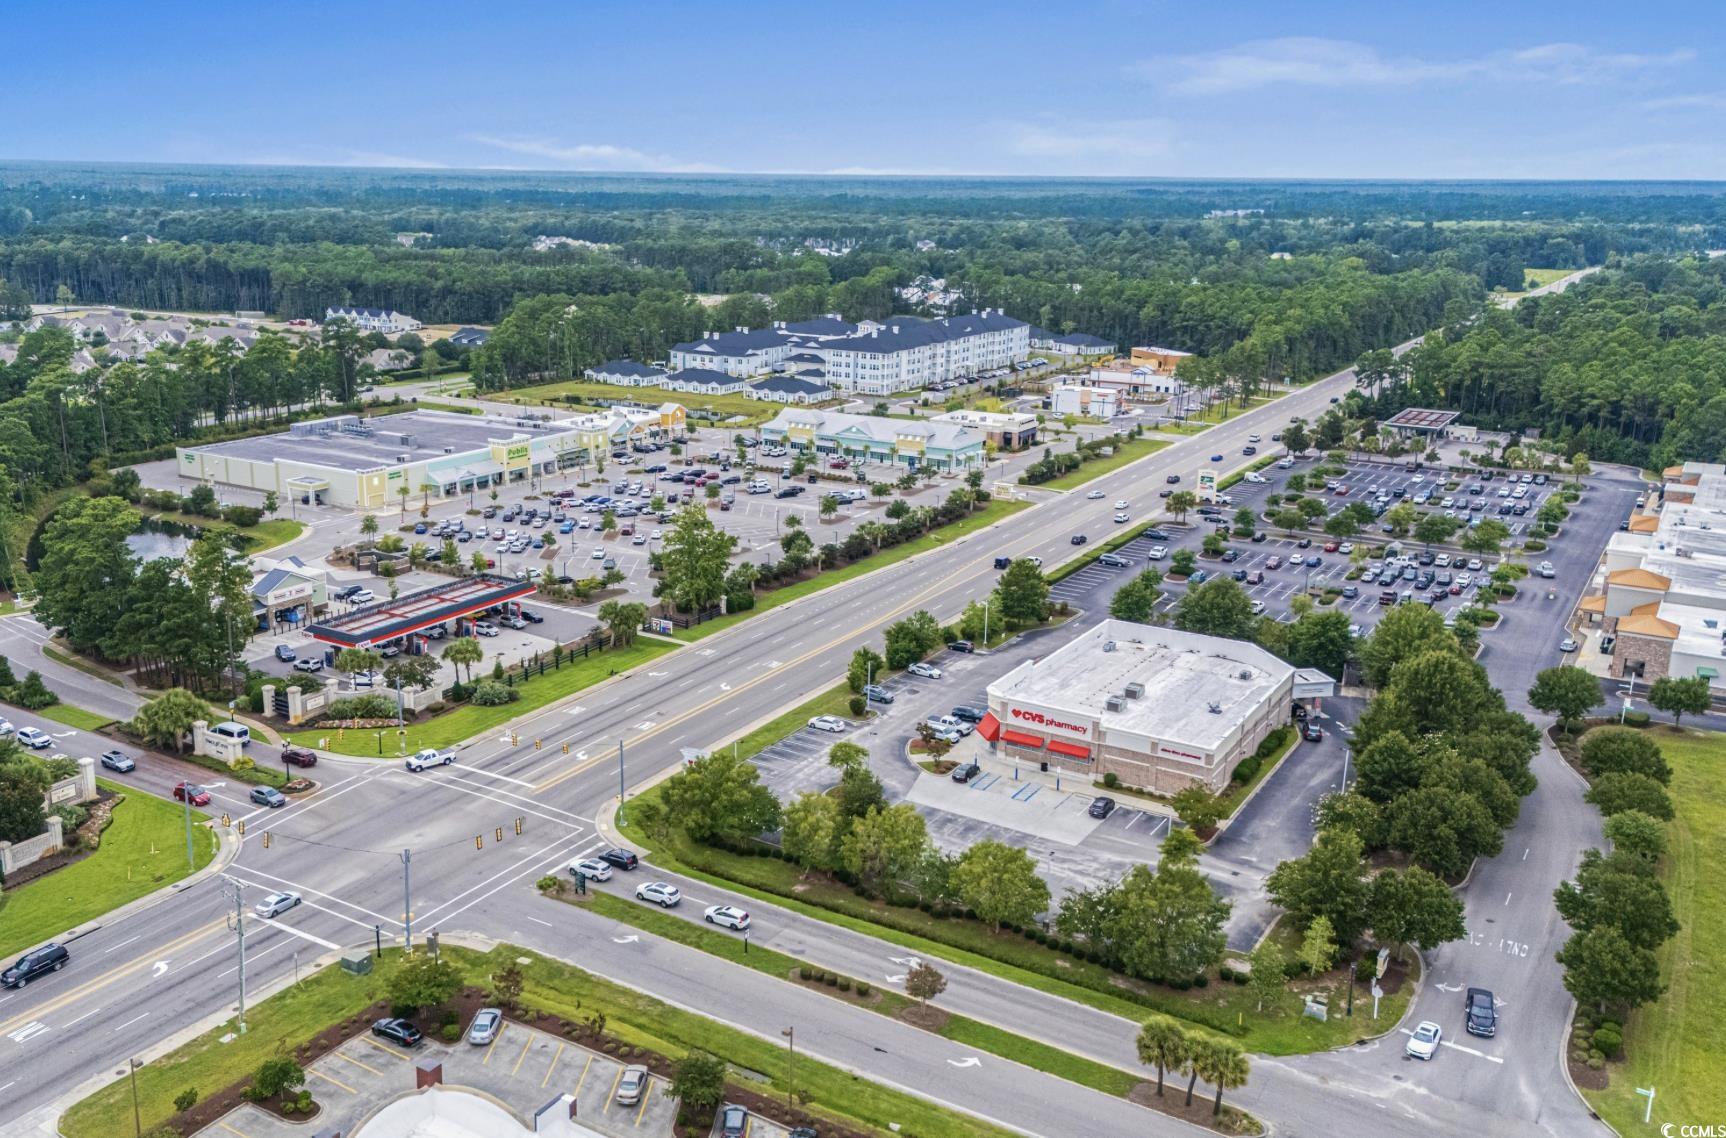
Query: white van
[238, 732]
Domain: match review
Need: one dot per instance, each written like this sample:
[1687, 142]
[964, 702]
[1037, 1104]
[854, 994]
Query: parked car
[733, 1121]
[36, 962]
[1101, 807]
[927, 671]
[829, 723]
[727, 916]
[960, 646]
[276, 903]
[1481, 1012]
[969, 714]
[361, 597]
[877, 694]
[965, 772]
[632, 1084]
[298, 756]
[487, 1022]
[621, 858]
[398, 1031]
[484, 628]
[191, 792]
[661, 893]
[118, 761]
[268, 796]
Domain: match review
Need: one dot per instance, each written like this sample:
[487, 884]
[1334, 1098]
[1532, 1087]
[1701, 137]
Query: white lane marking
[122, 944]
[537, 921]
[304, 890]
[564, 855]
[492, 774]
[131, 1021]
[505, 874]
[29, 1031]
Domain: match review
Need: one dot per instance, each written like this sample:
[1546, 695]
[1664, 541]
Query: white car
[363, 597]
[1255, 476]
[1346, 547]
[1121, 517]
[430, 757]
[1474, 565]
[1423, 1041]
[6, 728]
[1258, 608]
[1158, 552]
[728, 916]
[34, 738]
[1120, 503]
[598, 552]
[1567, 645]
[656, 535]
[1442, 561]
[1464, 580]
[591, 868]
[484, 628]
[1094, 494]
[1546, 569]
[276, 904]
[661, 893]
[829, 723]
[1418, 478]
[927, 671]
[1252, 438]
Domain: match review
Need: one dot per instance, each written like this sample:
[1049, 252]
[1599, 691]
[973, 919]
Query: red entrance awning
[1022, 739]
[989, 728]
[1077, 750]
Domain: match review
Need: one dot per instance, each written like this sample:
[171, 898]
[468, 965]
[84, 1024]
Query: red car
[185, 791]
[1274, 563]
[1330, 547]
[838, 464]
[1341, 491]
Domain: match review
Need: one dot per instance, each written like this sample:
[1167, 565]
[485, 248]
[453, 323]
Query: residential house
[742, 353]
[1071, 343]
[704, 381]
[626, 373]
[803, 388]
[386, 320]
[469, 337]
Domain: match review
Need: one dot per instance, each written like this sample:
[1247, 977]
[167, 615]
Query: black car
[1239, 574]
[397, 1031]
[965, 772]
[1102, 807]
[1304, 543]
[1080, 539]
[1231, 555]
[1156, 535]
[1312, 731]
[36, 962]
[1172, 479]
[1481, 1011]
[532, 617]
[962, 646]
[621, 858]
[1259, 536]
[969, 714]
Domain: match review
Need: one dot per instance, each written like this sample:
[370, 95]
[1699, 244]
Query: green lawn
[1676, 1045]
[995, 511]
[1131, 451]
[1224, 1008]
[836, 700]
[458, 408]
[88, 667]
[987, 1037]
[143, 849]
[754, 411]
[75, 717]
[560, 989]
[1218, 413]
[469, 720]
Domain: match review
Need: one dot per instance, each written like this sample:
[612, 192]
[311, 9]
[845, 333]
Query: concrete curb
[227, 849]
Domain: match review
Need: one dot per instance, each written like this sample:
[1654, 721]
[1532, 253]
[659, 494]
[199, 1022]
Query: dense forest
[1629, 365]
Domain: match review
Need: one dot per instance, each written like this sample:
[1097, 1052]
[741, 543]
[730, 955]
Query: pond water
[155, 539]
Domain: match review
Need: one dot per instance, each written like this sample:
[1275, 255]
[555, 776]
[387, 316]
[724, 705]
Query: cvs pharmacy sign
[1042, 720]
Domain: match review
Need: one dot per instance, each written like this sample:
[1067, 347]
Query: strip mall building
[1159, 708]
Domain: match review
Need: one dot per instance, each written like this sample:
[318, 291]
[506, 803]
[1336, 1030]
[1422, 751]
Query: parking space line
[490, 1047]
[400, 1058]
[232, 1130]
[585, 1067]
[560, 1046]
[350, 1059]
[332, 1081]
[522, 1056]
[642, 1109]
[612, 1097]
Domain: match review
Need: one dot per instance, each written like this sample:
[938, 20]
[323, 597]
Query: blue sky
[1225, 88]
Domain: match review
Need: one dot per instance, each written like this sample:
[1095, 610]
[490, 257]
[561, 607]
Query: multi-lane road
[173, 965]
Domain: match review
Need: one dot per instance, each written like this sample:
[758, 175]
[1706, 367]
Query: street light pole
[239, 926]
[790, 1035]
[407, 902]
[620, 775]
[137, 1115]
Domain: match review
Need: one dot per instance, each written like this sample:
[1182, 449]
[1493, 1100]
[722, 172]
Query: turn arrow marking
[967, 1061]
[896, 979]
[159, 970]
[631, 939]
[1448, 987]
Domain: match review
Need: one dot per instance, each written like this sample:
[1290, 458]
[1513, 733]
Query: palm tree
[464, 650]
[1193, 1063]
[1181, 501]
[1163, 1044]
[1223, 1064]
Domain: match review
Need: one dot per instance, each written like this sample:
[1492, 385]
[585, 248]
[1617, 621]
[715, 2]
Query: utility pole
[790, 1035]
[238, 924]
[407, 902]
[137, 1115]
[620, 774]
[186, 801]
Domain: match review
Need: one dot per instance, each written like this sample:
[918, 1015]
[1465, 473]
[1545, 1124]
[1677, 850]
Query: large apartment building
[905, 353]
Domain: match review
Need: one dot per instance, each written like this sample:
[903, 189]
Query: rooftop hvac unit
[1115, 703]
[1135, 690]
[1216, 709]
[401, 458]
[1108, 645]
[1244, 674]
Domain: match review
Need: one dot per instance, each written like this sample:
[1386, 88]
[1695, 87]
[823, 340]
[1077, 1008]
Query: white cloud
[1317, 62]
[1105, 146]
[590, 156]
[1700, 101]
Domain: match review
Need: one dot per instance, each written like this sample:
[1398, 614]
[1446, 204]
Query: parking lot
[522, 1069]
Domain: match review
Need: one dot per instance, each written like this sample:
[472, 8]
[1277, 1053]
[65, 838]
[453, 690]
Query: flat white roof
[1185, 676]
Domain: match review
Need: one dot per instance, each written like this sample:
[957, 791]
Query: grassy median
[1130, 451]
[1676, 1044]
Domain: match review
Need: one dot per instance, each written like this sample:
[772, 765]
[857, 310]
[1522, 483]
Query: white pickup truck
[430, 757]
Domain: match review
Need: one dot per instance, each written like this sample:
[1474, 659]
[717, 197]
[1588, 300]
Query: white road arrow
[1448, 987]
[967, 1061]
[900, 979]
[159, 970]
[630, 939]
[907, 961]
[656, 675]
[577, 710]
[724, 687]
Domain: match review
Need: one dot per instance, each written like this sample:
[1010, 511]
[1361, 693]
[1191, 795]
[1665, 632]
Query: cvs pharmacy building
[1159, 708]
